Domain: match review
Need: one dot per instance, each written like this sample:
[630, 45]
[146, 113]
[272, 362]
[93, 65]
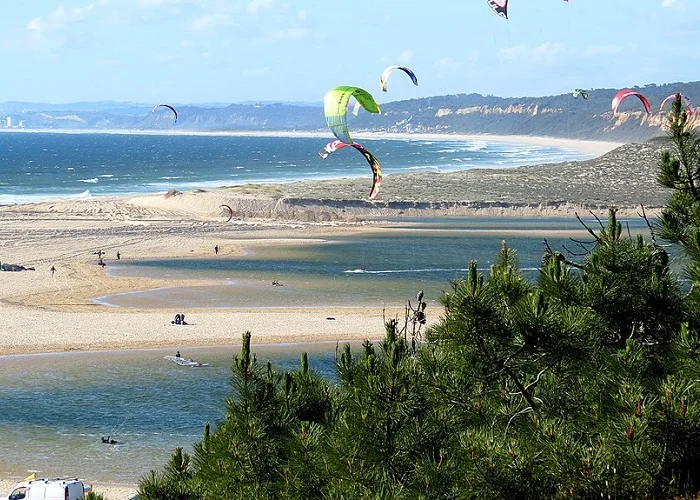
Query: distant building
[8, 123]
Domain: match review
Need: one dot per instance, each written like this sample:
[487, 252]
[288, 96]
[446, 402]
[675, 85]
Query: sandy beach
[45, 312]
[592, 147]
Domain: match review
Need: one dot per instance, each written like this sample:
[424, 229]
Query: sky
[204, 51]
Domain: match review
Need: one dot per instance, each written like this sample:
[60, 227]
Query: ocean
[41, 166]
[386, 266]
[57, 406]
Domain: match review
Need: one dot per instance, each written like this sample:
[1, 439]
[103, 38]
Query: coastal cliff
[554, 116]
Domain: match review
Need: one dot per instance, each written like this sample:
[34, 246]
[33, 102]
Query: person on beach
[53, 270]
[216, 250]
[118, 255]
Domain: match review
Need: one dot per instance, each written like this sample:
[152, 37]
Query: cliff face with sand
[556, 115]
[624, 177]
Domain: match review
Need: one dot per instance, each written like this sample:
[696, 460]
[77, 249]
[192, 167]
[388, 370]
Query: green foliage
[91, 495]
[583, 384]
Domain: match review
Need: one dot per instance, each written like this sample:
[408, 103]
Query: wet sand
[42, 312]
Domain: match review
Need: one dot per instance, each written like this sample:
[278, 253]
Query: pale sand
[43, 313]
[596, 148]
[109, 491]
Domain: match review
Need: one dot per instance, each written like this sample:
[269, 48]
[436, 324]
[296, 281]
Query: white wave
[427, 270]
[477, 146]
[106, 176]
[80, 196]
[15, 199]
[403, 271]
[432, 168]
[94, 180]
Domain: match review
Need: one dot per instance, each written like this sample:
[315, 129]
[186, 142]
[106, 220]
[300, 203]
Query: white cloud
[602, 50]
[297, 33]
[212, 21]
[60, 17]
[256, 72]
[405, 56]
[159, 3]
[105, 62]
[544, 53]
[165, 58]
[255, 6]
[669, 3]
[446, 65]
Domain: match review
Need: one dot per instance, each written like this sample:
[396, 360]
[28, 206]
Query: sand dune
[53, 312]
[42, 312]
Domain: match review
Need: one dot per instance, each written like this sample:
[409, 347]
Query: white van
[49, 489]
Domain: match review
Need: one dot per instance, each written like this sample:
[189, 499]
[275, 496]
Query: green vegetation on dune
[581, 385]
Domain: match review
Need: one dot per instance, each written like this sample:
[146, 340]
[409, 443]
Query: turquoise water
[383, 267]
[39, 166]
[56, 407]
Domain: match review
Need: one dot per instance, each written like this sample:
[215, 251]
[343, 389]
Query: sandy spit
[45, 312]
[109, 491]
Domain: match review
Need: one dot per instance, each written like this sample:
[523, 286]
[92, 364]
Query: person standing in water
[118, 255]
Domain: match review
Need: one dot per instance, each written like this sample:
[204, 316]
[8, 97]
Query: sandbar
[48, 312]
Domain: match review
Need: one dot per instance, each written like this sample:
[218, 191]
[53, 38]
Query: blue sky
[198, 51]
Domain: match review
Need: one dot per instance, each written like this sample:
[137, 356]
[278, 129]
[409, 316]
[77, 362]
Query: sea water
[55, 408]
[40, 166]
[383, 267]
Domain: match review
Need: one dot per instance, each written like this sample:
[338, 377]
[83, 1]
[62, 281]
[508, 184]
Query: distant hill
[557, 116]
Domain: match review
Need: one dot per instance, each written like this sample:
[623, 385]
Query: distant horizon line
[319, 103]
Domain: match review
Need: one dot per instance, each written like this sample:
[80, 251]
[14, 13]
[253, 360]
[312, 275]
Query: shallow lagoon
[56, 407]
[386, 266]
